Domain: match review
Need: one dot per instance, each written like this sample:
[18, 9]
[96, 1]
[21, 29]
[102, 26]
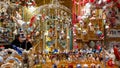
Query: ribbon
[32, 20]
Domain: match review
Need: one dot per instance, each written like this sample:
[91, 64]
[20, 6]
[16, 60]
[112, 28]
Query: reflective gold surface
[67, 3]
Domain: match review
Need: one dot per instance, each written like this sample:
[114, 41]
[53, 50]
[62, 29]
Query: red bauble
[85, 1]
[92, 1]
[79, 18]
[81, 3]
[33, 3]
[70, 66]
[118, 5]
[98, 47]
[17, 2]
[102, 36]
[115, 0]
[110, 63]
[108, 1]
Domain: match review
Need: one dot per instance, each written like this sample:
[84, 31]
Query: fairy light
[106, 26]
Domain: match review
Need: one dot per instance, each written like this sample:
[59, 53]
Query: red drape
[79, 5]
[116, 52]
[74, 12]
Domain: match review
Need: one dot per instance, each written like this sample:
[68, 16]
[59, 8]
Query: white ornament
[87, 9]
[18, 16]
[15, 32]
[84, 32]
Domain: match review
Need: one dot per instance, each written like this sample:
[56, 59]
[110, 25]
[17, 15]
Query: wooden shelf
[4, 44]
[113, 39]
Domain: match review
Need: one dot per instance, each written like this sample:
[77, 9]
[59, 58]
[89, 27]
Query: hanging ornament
[84, 32]
[87, 9]
[62, 32]
[30, 29]
[21, 22]
[92, 44]
[91, 26]
[68, 37]
[78, 66]
[102, 36]
[55, 51]
[108, 1]
[92, 1]
[104, 0]
[81, 23]
[49, 43]
[70, 66]
[43, 17]
[76, 47]
[98, 47]
[48, 39]
[18, 16]
[99, 2]
[118, 5]
[85, 1]
[33, 3]
[93, 65]
[15, 32]
[62, 43]
[110, 63]
[74, 30]
[1, 59]
[78, 30]
[80, 3]
[85, 66]
[98, 66]
[37, 33]
[98, 43]
[99, 33]
[74, 40]
[107, 27]
[17, 3]
[113, 21]
[79, 18]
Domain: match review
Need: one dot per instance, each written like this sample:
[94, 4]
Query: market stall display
[61, 38]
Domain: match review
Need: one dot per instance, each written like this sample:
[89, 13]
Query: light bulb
[107, 27]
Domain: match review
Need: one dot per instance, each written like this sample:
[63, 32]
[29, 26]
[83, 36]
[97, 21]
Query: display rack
[6, 23]
[54, 25]
[88, 23]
